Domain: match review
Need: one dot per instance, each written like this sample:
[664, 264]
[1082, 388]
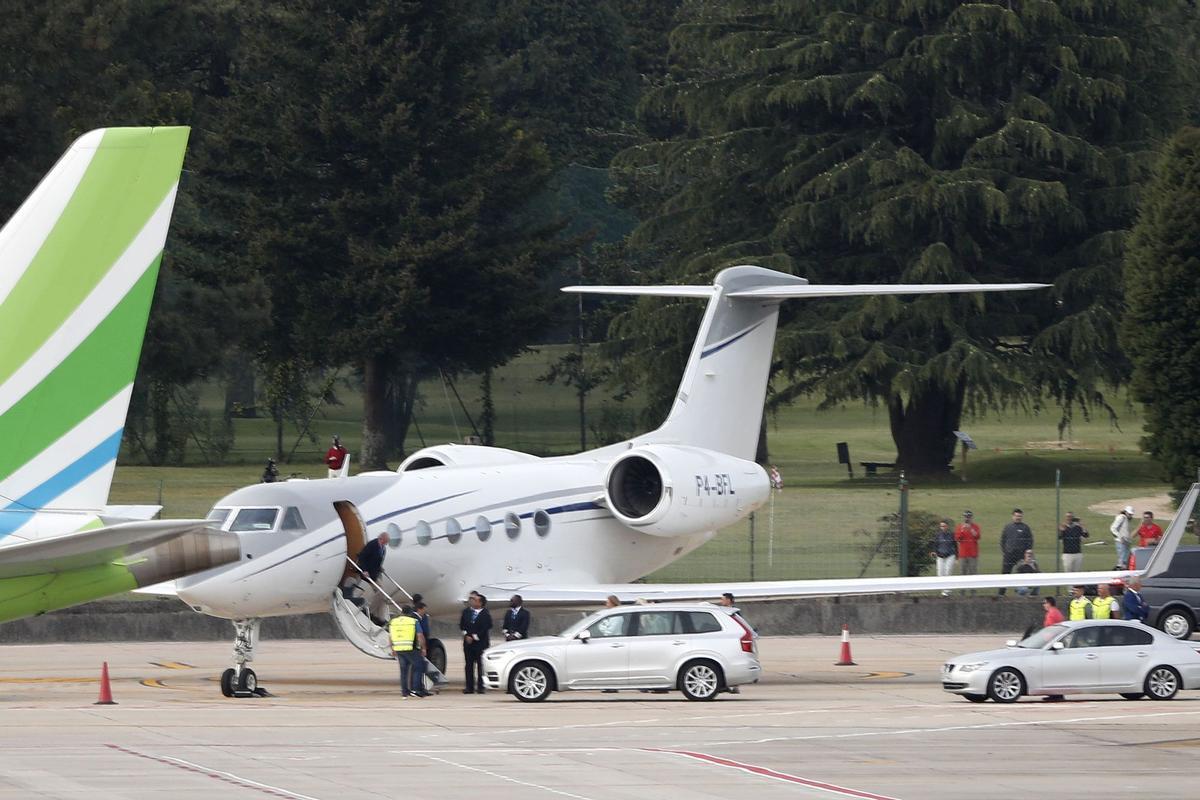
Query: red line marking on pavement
[771, 773]
[219, 776]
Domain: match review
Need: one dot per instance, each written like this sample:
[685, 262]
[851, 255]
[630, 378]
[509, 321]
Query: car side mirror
[584, 636]
[1011, 643]
[1057, 646]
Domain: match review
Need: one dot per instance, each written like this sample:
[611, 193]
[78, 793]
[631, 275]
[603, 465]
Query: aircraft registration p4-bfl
[78, 264]
[566, 530]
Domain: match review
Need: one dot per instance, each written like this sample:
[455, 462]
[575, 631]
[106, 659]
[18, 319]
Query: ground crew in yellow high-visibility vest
[1079, 606]
[408, 643]
[1105, 606]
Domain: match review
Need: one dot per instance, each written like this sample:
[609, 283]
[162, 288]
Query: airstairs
[354, 621]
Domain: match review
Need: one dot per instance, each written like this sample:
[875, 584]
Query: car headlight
[972, 667]
[498, 654]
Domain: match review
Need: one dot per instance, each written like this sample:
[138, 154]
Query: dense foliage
[1162, 286]
[941, 141]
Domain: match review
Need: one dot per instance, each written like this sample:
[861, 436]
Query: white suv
[698, 648]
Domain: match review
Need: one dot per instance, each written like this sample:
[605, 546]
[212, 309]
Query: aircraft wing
[48, 574]
[583, 594]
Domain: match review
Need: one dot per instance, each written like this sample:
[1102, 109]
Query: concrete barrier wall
[166, 619]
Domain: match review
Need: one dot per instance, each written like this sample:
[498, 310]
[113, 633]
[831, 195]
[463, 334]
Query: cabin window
[292, 521]
[512, 525]
[394, 536]
[483, 528]
[453, 531]
[424, 533]
[541, 523]
[255, 519]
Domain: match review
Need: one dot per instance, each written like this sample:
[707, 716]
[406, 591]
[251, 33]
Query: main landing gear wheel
[247, 683]
[227, 678]
[437, 654]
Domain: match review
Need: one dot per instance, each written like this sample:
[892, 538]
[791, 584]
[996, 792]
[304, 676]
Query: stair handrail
[378, 588]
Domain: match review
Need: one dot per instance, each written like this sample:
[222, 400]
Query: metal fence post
[1057, 517]
[903, 525]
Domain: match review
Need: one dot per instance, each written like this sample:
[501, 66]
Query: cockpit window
[292, 521]
[218, 516]
[255, 519]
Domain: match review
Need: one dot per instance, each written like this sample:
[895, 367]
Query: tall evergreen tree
[379, 195]
[1162, 287]
[940, 141]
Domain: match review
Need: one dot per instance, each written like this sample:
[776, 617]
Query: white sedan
[1087, 657]
[698, 648]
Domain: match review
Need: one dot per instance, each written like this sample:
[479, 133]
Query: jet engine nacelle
[462, 455]
[673, 490]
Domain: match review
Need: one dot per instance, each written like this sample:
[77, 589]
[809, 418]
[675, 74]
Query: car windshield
[1043, 637]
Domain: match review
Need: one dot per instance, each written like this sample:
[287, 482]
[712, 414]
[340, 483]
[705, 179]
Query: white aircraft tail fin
[78, 265]
[719, 405]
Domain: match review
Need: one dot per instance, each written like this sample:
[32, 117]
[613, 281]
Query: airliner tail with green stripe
[78, 264]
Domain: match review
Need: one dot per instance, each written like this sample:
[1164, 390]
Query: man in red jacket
[1148, 532]
[335, 457]
[966, 536]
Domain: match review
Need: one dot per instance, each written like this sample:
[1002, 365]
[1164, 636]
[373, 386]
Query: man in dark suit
[516, 620]
[370, 563]
[476, 625]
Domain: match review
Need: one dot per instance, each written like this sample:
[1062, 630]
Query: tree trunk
[923, 429]
[375, 409]
[487, 419]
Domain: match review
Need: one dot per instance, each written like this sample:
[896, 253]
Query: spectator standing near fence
[945, 552]
[1025, 566]
[335, 457]
[1122, 532]
[1148, 532]
[1015, 539]
[966, 536]
[1071, 533]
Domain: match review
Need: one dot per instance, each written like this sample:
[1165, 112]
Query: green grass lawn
[810, 529]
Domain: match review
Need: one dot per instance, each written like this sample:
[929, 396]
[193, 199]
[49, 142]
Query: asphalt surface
[336, 728]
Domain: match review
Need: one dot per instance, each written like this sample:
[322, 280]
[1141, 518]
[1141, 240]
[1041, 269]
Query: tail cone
[105, 688]
[845, 660]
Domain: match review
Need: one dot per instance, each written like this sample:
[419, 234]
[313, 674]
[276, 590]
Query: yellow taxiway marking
[172, 665]
[155, 683]
[888, 675]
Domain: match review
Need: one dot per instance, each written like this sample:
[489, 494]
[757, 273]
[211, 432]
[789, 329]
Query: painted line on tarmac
[765, 772]
[489, 773]
[215, 774]
[949, 728]
[172, 665]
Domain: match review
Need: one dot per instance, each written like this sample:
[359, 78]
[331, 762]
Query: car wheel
[530, 682]
[976, 698]
[1133, 695]
[700, 680]
[1162, 683]
[1006, 685]
[1177, 623]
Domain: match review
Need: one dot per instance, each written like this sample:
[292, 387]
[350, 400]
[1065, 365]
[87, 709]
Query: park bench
[873, 467]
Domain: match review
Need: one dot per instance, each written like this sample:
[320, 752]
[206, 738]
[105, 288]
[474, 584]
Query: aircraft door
[356, 531]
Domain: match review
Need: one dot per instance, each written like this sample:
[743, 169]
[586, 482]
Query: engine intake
[673, 490]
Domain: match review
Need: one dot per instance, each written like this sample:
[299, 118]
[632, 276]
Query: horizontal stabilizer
[871, 290]
[653, 291]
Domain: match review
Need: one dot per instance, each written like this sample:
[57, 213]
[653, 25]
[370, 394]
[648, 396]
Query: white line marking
[502, 777]
[983, 726]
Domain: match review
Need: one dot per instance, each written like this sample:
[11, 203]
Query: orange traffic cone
[105, 689]
[845, 660]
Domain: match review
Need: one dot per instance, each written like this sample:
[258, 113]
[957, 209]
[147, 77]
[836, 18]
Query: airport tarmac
[336, 729]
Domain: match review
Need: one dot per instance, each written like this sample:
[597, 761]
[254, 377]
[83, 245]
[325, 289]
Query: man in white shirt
[1122, 532]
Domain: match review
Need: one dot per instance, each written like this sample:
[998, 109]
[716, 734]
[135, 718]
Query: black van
[1174, 596]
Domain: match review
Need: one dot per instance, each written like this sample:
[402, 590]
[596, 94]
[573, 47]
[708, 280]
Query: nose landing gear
[239, 680]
